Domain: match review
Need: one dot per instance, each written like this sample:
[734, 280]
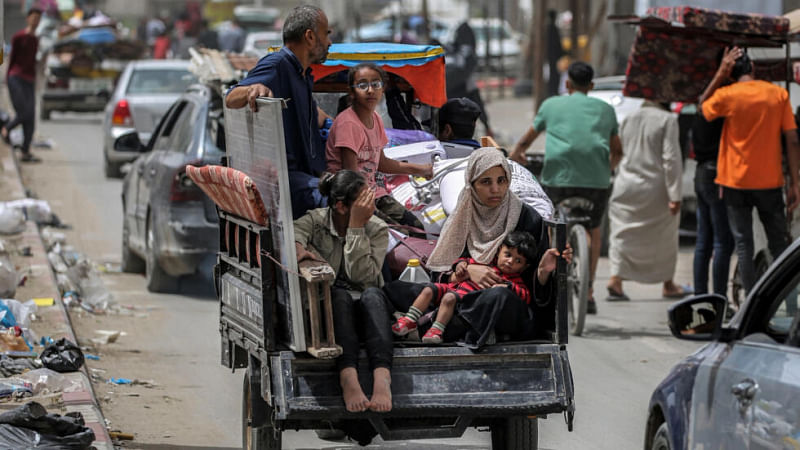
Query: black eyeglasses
[364, 85]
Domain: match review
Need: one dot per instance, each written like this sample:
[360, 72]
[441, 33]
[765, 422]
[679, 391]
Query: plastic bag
[12, 220]
[21, 312]
[8, 277]
[29, 426]
[45, 381]
[33, 209]
[62, 356]
[10, 386]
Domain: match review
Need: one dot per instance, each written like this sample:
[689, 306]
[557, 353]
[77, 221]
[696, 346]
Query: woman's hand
[362, 209]
[461, 273]
[303, 254]
[483, 276]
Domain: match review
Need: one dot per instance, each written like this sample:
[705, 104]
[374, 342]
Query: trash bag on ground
[14, 387]
[8, 277]
[62, 356]
[33, 209]
[14, 366]
[30, 426]
[12, 220]
[21, 312]
[45, 381]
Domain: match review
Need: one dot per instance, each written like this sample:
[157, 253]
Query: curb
[83, 400]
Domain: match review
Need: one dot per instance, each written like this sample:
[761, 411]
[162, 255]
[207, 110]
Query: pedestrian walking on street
[749, 165]
[714, 239]
[645, 203]
[22, 81]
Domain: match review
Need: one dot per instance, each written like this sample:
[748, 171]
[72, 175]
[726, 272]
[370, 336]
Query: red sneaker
[433, 336]
[403, 326]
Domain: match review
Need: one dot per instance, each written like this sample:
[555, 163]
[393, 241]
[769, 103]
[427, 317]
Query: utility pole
[426, 24]
[500, 62]
[539, 13]
[574, 28]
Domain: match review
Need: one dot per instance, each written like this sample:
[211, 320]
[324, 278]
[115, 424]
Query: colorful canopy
[422, 66]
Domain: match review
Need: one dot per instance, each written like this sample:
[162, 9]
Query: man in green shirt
[582, 147]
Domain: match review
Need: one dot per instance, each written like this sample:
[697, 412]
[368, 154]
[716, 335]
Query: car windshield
[160, 81]
[496, 32]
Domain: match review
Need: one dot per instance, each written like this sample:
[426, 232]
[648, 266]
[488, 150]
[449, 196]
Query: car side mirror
[129, 142]
[697, 318]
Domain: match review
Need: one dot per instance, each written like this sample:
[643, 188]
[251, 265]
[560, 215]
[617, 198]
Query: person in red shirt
[21, 81]
[515, 255]
[749, 164]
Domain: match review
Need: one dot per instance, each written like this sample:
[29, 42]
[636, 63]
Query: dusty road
[173, 339]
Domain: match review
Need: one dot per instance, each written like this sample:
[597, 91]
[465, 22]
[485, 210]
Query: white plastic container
[414, 273]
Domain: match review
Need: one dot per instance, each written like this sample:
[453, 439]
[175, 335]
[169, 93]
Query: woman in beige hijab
[487, 211]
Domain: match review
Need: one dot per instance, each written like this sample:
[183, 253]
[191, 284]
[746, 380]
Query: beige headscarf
[479, 227]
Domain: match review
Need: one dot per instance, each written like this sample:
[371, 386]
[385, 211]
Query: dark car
[169, 225]
[742, 390]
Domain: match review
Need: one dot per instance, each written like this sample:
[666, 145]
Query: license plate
[91, 84]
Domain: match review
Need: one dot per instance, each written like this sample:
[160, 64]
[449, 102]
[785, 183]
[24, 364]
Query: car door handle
[745, 390]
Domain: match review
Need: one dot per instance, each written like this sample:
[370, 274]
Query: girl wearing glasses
[357, 138]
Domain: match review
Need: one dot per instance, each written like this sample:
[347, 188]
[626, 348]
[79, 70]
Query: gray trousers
[24, 101]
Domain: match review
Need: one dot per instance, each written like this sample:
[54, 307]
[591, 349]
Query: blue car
[742, 389]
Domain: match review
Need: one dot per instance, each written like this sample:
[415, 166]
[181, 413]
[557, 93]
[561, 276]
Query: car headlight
[616, 100]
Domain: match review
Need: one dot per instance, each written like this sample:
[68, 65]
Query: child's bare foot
[354, 398]
[381, 400]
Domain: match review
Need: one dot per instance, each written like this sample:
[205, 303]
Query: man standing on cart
[582, 149]
[749, 165]
[286, 74]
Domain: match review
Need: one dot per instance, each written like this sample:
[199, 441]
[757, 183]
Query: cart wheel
[578, 279]
[515, 433]
[257, 430]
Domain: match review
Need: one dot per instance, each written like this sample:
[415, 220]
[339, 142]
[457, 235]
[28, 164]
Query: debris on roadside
[132, 382]
[106, 337]
[30, 426]
[62, 356]
[120, 436]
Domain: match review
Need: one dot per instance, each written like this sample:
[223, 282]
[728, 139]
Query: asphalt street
[173, 339]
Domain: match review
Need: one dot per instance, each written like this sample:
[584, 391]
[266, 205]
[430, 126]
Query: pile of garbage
[30, 426]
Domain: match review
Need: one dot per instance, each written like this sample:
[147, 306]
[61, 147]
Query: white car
[609, 89]
[258, 43]
[145, 91]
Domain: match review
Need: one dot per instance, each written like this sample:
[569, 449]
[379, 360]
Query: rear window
[160, 81]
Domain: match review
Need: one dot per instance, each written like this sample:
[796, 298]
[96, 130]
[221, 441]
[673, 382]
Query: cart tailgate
[498, 380]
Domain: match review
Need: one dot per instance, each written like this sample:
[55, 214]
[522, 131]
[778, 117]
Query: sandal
[684, 291]
[614, 296]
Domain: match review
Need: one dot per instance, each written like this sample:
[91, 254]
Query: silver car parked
[144, 92]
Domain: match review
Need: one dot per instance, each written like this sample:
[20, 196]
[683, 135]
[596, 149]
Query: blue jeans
[771, 211]
[713, 234]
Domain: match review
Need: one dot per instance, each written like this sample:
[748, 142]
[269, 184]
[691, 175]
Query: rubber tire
[157, 279]
[515, 433]
[263, 437]
[661, 438]
[131, 262]
[110, 169]
[578, 281]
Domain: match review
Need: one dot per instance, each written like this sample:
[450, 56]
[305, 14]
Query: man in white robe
[645, 203]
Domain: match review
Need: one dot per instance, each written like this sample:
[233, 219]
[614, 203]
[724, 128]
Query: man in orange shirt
[749, 168]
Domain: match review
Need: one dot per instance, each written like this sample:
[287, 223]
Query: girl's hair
[343, 186]
[351, 74]
[524, 243]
